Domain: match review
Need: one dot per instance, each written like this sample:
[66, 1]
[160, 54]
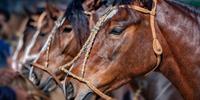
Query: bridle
[89, 43]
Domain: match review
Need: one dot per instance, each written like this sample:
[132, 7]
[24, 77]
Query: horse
[31, 43]
[123, 49]
[61, 51]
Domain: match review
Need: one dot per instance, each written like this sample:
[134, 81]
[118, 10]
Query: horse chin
[86, 96]
[89, 96]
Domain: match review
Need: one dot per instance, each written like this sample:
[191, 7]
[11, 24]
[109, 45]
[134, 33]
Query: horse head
[129, 41]
[65, 44]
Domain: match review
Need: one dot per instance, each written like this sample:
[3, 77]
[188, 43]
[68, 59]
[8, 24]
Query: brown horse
[30, 45]
[123, 49]
[10, 28]
[32, 40]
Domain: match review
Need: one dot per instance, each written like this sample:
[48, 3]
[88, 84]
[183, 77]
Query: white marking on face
[30, 46]
[16, 53]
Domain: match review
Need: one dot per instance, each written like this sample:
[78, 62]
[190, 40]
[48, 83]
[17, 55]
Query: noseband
[89, 43]
[27, 56]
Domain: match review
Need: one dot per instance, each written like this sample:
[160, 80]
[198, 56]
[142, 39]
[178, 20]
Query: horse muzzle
[69, 90]
[84, 93]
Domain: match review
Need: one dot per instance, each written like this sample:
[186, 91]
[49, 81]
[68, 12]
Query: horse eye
[116, 31]
[67, 29]
[42, 34]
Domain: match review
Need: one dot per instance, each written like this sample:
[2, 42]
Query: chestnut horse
[123, 49]
[34, 37]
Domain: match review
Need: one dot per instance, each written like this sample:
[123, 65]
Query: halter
[89, 43]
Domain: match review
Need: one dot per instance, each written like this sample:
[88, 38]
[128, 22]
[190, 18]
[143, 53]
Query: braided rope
[157, 48]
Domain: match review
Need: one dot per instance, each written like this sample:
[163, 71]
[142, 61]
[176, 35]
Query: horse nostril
[69, 91]
[48, 85]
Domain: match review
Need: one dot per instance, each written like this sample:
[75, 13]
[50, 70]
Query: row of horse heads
[121, 51]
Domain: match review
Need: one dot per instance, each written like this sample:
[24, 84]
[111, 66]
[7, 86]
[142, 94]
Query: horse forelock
[190, 8]
[116, 2]
[76, 17]
[148, 4]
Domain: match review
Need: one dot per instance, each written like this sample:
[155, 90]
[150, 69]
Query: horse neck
[180, 36]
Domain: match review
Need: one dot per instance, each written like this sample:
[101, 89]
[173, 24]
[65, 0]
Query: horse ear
[52, 11]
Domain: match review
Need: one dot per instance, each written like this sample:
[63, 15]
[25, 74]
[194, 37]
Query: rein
[46, 47]
[89, 43]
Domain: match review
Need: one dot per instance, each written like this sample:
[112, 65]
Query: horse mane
[76, 17]
[195, 10]
[116, 2]
[148, 4]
